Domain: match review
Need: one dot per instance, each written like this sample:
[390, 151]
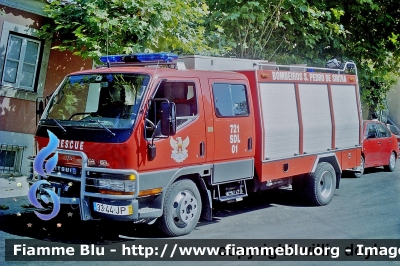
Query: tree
[365, 31]
[91, 28]
[314, 31]
[272, 30]
[373, 42]
[311, 30]
[245, 29]
[285, 31]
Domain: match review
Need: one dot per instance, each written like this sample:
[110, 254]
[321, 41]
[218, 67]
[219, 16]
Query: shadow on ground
[367, 172]
[67, 227]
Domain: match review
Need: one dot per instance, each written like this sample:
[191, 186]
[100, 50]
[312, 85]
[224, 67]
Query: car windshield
[97, 100]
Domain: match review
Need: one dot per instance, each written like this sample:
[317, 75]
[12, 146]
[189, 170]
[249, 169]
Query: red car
[395, 130]
[380, 147]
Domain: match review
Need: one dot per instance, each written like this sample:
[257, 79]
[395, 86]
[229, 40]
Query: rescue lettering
[70, 144]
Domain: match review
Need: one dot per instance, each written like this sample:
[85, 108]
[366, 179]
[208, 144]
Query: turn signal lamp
[150, 192]
[139, 58]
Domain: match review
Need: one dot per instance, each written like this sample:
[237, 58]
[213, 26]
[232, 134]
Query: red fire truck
[151, 138]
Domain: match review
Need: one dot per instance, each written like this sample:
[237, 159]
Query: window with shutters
[21, 62]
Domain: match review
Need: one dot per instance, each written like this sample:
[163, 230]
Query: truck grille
[67, 188]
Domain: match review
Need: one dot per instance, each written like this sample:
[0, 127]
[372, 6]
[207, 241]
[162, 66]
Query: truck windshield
[97, 100]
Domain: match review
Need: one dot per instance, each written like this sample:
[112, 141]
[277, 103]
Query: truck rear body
[302, 115]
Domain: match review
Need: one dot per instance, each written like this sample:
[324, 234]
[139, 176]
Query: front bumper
[73, 190]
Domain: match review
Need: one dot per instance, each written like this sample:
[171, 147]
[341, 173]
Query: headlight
[102, 183]
[117, 185]
[130, 186]
[120, 185]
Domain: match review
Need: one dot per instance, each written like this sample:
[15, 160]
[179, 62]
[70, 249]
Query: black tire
[320, 185]
[392, 163]
[357, 175]
[298, 186]
[181, 210]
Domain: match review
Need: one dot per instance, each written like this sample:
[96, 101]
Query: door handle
[202, 149]
[249, 144]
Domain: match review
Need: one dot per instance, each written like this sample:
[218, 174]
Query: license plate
[114, 210]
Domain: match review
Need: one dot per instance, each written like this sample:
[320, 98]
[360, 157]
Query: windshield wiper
[98, 122]
[59, 125]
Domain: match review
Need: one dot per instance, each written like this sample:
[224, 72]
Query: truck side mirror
[151, 151]
[168, 119]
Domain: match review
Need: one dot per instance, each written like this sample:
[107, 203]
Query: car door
[385, 138]
[371, 146]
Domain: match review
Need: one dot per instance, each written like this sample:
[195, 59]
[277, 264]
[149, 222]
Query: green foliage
[373, 42]
[285, 31]
[365, 31]
[376, 81]
[312, 32]
[245, 29]
[281, 30]
[91, 27]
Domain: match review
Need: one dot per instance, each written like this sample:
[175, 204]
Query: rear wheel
[320, 185]
[392, 163]
[182, 208]
[298, 186]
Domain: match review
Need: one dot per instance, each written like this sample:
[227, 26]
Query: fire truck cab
[144, 143]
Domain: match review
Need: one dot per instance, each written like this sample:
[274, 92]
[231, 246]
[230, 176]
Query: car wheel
[392, 162]
[362, 166]
[181, 210]
[320, 185]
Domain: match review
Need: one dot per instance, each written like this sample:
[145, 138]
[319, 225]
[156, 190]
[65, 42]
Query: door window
[230, 100]
[383, 132]
[371, 131]
[183, 95]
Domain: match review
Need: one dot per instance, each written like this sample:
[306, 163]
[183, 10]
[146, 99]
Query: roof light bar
[140, 58]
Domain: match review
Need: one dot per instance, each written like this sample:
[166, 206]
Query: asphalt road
[363, 208]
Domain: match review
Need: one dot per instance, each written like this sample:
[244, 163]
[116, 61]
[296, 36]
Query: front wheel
[320, 185]
[392, 163]
[182, 208]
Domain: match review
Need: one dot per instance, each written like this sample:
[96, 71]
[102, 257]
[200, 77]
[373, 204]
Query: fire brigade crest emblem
[179, 152]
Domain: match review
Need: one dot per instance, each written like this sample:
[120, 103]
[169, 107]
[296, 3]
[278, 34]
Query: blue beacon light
[139, 58]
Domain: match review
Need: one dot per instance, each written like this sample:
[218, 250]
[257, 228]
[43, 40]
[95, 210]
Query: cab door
[385, 138]
[185, 147]
[233, 130]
